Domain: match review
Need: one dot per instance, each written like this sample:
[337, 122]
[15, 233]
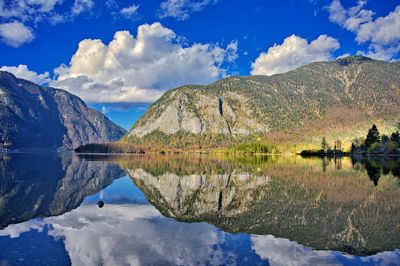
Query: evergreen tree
[385, 139]
[373, 136]
[353, 148]
[324, 144]
[395, 137]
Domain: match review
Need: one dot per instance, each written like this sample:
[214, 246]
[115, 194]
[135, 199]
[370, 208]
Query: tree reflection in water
[376, 166]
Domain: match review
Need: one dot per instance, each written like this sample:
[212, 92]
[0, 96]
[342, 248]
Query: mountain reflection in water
[339, 208]
[200, 210]
[48, 184]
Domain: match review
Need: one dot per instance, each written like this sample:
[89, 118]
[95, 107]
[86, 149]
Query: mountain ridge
[34, 117]
[340, 99]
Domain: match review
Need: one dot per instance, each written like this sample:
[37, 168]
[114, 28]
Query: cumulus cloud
[23, 72]
[385, 30]
[182, 9]
[140, 69]
[129, 11]
[293, 53]
[381, 34]
[15, 34]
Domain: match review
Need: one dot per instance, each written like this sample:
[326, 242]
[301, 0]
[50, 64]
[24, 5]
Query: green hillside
[294, 110]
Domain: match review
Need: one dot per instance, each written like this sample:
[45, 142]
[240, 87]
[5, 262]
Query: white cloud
[81, 6]
[15, 34]
[232, 51]
[382, 34]
[22, 71]
[25, 10]
[343, 56]
[293, 53]
[140, 69]
[182, 9]
[352, 18]
[383, 30]
[381, 52]
[20, 18]
[129, 11]
[42, 5]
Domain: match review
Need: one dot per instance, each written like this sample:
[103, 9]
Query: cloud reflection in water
[132, 234]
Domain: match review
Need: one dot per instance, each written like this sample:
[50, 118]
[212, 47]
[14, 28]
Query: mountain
[339, 99]
[35, 117]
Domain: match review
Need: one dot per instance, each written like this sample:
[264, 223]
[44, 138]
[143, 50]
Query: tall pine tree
[373, 136]
[395, 137]
[324, 145]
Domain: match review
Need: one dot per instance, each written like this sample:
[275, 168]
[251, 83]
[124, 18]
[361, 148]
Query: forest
[373, 144]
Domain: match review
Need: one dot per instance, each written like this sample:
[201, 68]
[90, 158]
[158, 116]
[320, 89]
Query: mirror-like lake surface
[62, 209]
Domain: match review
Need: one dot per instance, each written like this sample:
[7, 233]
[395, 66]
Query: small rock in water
[100, 204]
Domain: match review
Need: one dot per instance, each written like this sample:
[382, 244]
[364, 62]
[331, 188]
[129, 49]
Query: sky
[122, 55]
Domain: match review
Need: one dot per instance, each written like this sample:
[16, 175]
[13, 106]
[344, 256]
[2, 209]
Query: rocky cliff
[341, 98]
[35, 117]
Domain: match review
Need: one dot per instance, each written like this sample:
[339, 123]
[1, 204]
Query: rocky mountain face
[331, 205]
[341, 98]
[43, 118]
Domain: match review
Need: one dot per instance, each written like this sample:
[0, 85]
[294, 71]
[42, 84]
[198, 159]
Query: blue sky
[66, 44]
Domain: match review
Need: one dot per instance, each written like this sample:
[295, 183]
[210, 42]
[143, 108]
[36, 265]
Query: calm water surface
[163, 210]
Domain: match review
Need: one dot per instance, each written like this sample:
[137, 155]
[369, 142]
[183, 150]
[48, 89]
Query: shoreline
[308, 155]
[354, 155]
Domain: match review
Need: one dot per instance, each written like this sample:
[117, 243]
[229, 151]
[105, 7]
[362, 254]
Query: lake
[62, 209]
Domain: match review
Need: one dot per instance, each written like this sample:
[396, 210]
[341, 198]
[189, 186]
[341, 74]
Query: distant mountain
[339, 100]
[43, 118]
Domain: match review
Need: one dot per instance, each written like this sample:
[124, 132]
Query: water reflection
[41, 185]
[134, 235]
[198, 210]
[139, 235]
[376, 166]
[280, 251]
[333, 207]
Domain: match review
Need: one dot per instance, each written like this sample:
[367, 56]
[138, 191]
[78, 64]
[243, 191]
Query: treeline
[251, 147]
[211, 142]
[114, 147]
[326, 149]
[181, 140]
[374, 143]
